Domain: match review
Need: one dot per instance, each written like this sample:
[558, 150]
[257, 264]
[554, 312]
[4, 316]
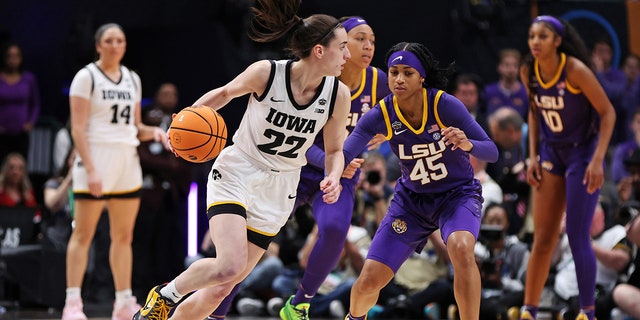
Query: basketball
[198, 134]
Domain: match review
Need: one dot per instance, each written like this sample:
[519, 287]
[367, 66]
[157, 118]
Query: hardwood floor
[93, 312]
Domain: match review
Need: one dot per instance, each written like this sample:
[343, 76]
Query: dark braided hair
[274, 19]
[436, 77]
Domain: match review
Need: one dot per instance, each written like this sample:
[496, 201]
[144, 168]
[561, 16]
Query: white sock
[73, 293]
[170, 291]
[122, 296]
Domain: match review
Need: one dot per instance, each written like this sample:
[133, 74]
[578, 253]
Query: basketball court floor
[93, 312]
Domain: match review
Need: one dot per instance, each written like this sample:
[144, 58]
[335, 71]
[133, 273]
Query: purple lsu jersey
[373, 87]
[566, 115]
[427, 165]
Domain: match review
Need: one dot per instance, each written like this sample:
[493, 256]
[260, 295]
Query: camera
[628, 212]
[490, 265]
[374, 177]
[490, 232]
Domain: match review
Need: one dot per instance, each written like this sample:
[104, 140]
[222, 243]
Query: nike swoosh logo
[276, 100]
[292, 196]
[148, 306]
[396, 132]
[396, 58]
[360, 20]
[308, 296]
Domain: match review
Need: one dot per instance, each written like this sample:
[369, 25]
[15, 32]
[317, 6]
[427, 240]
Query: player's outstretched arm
[252, 79]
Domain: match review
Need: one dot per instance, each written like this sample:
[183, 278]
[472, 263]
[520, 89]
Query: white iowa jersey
[275, 130]
[112, 104]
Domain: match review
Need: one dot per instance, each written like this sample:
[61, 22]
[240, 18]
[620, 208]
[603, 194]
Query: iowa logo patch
[215, 174]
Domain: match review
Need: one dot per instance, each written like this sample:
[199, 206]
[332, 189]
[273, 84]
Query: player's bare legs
[86, 219]
[122, 220]
[547, 204]
[364, 293]
[204, 301]
[466, 280]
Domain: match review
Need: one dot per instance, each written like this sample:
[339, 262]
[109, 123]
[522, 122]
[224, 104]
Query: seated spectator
[627, 295]
[58, 199]
[621, 86]
[15, 187]
[625, 149]
[373, 192]
[610, 76]
[630, 97]
[629, 186]
[468, 88]
[613, 254]
[508, 91]
[56, 192]
[61, 145]
[502, 260]
[491, 191]
[509, 131]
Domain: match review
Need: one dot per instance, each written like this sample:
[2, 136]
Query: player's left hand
[331, 188]
[162, 137]
[594, 176]
[352, 168]
[168, 137]
[456, 138]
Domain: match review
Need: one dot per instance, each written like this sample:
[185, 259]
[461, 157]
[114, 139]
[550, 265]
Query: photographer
[373, 191]
[626, 295]
[502, 261]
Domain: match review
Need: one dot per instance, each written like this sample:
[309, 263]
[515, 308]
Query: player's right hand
[94, 181]
[534, 173]
[331, 188]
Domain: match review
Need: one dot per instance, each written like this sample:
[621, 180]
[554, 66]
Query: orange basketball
[198, 134]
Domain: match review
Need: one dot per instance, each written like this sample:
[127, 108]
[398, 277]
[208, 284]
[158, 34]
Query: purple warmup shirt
[497, 98]
[19, 103]
[622, 152]
[427, 166]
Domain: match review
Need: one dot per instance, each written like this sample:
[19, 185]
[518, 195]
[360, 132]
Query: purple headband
[408, 58]
[553, 22]
[352, 23]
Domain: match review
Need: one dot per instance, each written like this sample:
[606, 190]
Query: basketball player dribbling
[367, 84]
[432, 133]
[252, 186]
